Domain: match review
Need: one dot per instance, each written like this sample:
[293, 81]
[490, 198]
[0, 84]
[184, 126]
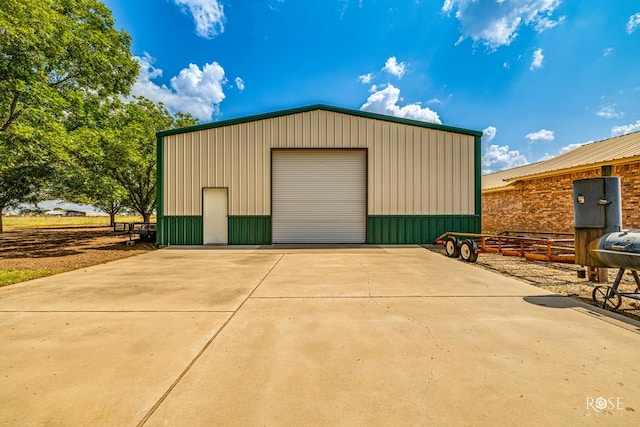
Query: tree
[88, 182]
[25, 162]
[84, 175]
[59, 60]
[130, 149]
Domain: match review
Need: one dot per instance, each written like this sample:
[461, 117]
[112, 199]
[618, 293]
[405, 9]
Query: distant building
[97, 214]
[539, 196]
[65, 212]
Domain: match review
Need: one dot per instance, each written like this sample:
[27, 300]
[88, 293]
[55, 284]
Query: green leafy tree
[59, 61]
[84, 175]
[130, 149]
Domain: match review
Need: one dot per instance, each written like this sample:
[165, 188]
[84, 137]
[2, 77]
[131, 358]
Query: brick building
[539, 196]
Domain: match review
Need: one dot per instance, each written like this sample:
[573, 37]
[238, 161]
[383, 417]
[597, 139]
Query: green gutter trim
[478, 180]
[290, 111]
[160, 237]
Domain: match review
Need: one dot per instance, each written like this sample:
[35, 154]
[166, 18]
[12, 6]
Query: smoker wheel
[606, 297]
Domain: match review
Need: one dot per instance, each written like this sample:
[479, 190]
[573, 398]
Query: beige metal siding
[411, 170]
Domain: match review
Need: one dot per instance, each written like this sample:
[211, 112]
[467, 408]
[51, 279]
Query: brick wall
[630, 189]
[546, 204]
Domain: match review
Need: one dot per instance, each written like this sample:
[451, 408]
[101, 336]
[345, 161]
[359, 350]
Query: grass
[9, 277]
[43, 221]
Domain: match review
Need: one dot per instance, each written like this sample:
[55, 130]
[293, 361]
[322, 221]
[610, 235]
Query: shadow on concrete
[561, 301]
[318, 246]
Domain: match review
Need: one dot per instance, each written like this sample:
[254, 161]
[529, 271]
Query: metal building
[317, 174]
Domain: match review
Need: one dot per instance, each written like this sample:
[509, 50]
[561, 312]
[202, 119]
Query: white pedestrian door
[214, 216]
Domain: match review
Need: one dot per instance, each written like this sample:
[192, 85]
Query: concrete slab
[402, 271]
[283, 335]
[163, 280]
[409, 361]
[70, 368]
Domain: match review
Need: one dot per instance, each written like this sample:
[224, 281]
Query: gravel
[555, 277]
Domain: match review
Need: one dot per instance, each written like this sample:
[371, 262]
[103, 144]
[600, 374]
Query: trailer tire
[452, 247]
[469, 251]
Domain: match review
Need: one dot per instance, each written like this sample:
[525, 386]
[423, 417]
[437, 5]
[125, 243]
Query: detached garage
[317, 174]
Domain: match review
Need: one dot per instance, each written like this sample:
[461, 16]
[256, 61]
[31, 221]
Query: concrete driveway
[347, 336]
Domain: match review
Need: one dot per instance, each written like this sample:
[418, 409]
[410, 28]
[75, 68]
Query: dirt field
[28, 253]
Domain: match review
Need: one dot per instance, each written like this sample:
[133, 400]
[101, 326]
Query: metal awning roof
[620, 149]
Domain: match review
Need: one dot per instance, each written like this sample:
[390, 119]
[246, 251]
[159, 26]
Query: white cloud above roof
[489, 133]
[239, 84]
[395, 68]
[633, 23]
[541, 135]
[195, 91]
[625, 129]
[499, 157]
[385, 101]
[609, 112]
[537, 60]
[570, 147]
[207, 14]
[365, 79]
[495, 23]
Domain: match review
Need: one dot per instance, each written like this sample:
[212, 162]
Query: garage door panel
[319, 196]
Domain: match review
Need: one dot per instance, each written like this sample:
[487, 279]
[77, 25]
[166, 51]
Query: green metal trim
[160, 236]
[250, 230]
[478, 178]
[416, 229]
[243, 230]
[290, 111]
[181, 230]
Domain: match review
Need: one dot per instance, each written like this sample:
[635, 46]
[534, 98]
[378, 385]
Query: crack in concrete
[388, 309]
[166, 394]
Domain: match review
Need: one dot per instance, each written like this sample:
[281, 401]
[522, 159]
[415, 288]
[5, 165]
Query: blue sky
[537, 76]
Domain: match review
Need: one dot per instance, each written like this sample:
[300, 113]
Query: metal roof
[351, 112]
[619, 149]
[500, 179]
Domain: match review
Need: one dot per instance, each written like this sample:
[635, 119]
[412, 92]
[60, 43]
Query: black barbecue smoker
[600, 240]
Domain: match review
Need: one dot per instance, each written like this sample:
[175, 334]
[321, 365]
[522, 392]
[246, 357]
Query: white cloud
[207, 14]
[434, 101]
[544, 23]
[609, 112]
[365, 79]
[239, 83]
[489, 133]
[385, 101]
[499, 157]
[537, 60]
[194, 90]
[625, 129]
[495, 23]
[608, 51]
[541, 135]
[572, 147]
[634, 22]
[394, 68]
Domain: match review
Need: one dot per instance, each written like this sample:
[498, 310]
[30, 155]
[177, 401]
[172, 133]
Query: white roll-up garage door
[319, 196]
